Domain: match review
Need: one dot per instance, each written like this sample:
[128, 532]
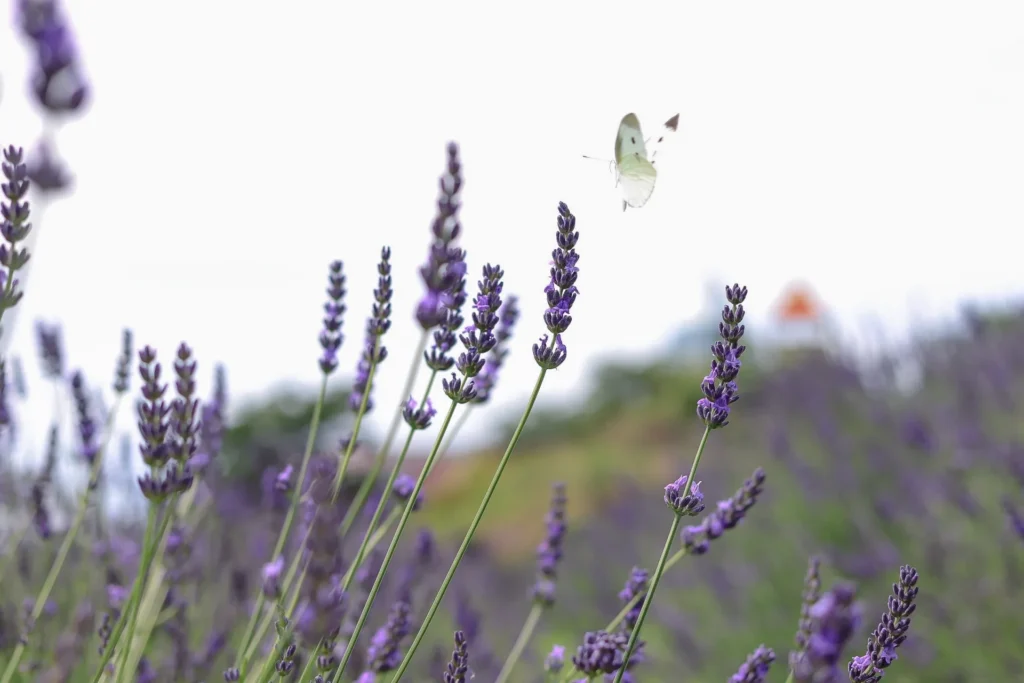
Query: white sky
[234, 148]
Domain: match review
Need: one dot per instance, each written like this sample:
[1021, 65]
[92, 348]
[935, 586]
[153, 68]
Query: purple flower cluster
[697, 539]
[458, 667]
[549, 552]
[166, 438]
[488, 377]
[51, 350]
[600, 653]
[835, 618]
[374, 352]
[334, 311]
[384, 653]
[86, 425]
[442, 269]
[756, 668]
[14, 210]
[683, 503]
[561, 291]
[478, 338]
[890, 633]
[719, 387]
[57, 82]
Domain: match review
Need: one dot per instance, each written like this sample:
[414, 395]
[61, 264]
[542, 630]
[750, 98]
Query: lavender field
[767, 514]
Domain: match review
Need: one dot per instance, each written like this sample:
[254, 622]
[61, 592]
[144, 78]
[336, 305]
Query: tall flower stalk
[561, 293]
[682, 496]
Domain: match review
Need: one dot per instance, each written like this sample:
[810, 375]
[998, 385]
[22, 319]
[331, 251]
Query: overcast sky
[233, 149]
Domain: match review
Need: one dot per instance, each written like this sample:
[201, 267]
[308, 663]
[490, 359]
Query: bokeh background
[858, 167]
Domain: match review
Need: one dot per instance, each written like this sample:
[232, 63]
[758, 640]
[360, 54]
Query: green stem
[394, 541]
[382, 455]
[472, 527]
[282, 537]
[381, 504]
[524, 637]
[463, 418]
[343, 465]
[660, 569]
[147, 551]
[69, 539]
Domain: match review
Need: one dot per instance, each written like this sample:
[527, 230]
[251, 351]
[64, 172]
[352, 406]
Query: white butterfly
[634, 170]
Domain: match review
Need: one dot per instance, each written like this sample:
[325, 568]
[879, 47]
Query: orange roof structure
[798, 304]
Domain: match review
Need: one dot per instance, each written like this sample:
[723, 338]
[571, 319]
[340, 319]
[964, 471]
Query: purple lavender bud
[116, 595]
[454, 298]
[555, 660]
[334, 310]
[728, 513]
[458, 667]
[457, 390]
[835, 618]
[890, 633]
[561, 291]
[57, 81]
[152, 411]
[417, 417]
[232, 675]
[384, 652]
[755, 669]
[379, 323]
[86, 425]
[636, 585]
[549, 552]
[122, 375]
[440, 272]
[488, 377]
[811, 595]
[15, 226]
[176, 479]
[271, 576]
[283, 481]
[48, 173]
[549, 357]
[403, 488]
[51, 350]
[719, 387]
[184, 414]
[600, 653]
[683, 503]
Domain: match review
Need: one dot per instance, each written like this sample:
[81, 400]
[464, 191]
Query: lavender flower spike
[835, 618]
[418, 417]
[384, 652]
[458, 667]
[719, 387]
[600, 653]
[86, 425]
[689, 505]
[437, 273]
[14, 228]
[561, 291]
[51, 350]
[890, 633]
[488, 377]
[550, 551]
[438, 358]
[57, 81]
[374, 352]
[478, 338]
[755, 669]
[334, 310]
[728, 513]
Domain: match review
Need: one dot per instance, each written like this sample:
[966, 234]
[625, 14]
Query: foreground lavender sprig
[330, 339]
[755, 669]
[458, 667]
[834, 619]
[14, 228]
[811, 595]
[682, 496]
[890, 633]
[94, 454]
[374, 353]
[561, 292]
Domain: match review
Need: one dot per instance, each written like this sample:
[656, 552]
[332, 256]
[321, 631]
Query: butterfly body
[635, 173]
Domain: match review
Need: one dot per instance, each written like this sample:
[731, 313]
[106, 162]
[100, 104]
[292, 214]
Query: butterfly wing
[636, 172]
